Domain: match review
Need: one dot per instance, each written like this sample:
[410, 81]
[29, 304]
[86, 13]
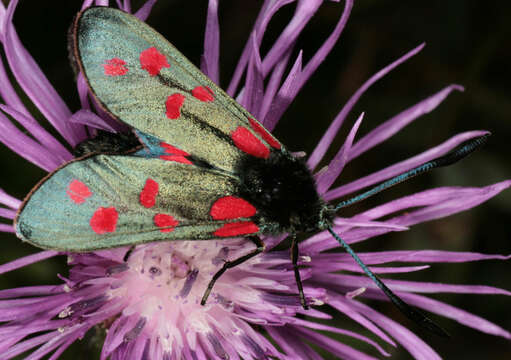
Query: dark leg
[229, 264]
[128, 253]
[294, 259]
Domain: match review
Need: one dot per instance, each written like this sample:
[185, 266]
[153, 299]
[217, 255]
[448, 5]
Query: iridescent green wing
[142, 80]
[106, 201]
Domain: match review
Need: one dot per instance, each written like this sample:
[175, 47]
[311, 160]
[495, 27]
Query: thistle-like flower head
[144, 303]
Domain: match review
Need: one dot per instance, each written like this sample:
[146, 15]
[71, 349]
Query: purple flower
[150, 304]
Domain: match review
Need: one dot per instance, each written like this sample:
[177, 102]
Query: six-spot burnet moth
[201, 167]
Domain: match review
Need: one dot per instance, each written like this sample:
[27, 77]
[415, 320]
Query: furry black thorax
[283, 191]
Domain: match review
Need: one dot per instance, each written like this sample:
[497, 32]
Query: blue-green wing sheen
[111, 200]
[143, 81]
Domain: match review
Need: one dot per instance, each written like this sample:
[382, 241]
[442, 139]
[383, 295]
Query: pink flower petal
[34, 83]
[317, 326]
[345, 266]
[335, 167]
[9, 200]
[461, 316]
[284, 96]
[26, 147]
[294, 347]
[7, 92]
[145, 10]
[6, 228]
[339, 303]
[269, 8]
[115, 336]
[8, 214]
[402, 166]
[421, 256]
[436, 203]
[272, 87]
[39, 133]
[401, 286]
[304, 11]
[325, 49]
[87, 117]
[351, 223]
[27, 260]
[280, 106]
[334, 127]
[86, 4]
[23, 346]
[333, 346]
[390, 127]
[31, 291]
[254, 85]
[83, 91]
[415, 346]
[210, 58]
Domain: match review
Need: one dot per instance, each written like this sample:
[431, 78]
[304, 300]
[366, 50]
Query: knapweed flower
[147, 304]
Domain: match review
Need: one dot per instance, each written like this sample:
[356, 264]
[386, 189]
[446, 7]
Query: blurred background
[467, 43]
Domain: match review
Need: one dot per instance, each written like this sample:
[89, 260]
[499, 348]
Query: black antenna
[448, 159]
[407, 310]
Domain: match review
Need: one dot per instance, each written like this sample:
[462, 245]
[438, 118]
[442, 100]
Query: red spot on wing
[249, 143]
[176, 154]
[165, 222]
[115, 67]
[148, 193]
[230, 207]
[169, 149]
[78, 191]
[153, 61]
[203, 93]
[258, 128]
[176, 158]
[173, 105]
[104, 220]
[237, 228]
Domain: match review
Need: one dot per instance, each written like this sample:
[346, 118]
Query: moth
[201, 167]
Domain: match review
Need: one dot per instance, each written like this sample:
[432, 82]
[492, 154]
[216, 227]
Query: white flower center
[165, 282]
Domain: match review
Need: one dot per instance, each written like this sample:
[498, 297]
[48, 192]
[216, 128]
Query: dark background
[467, 43]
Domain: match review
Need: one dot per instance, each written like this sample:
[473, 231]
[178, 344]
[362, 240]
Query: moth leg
[229, 264]
[128, 253]
[294, 259]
